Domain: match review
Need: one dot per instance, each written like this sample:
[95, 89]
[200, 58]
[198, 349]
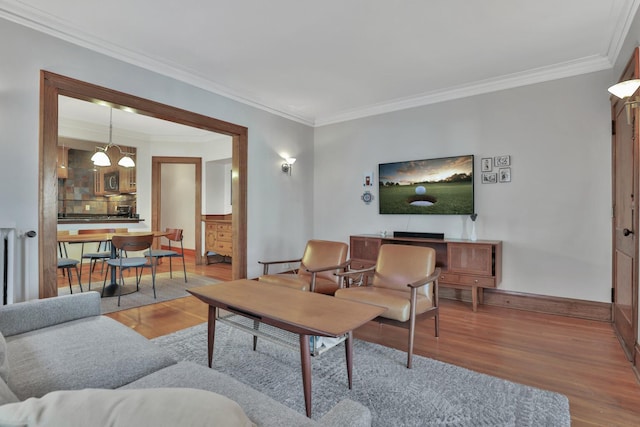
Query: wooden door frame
[632, 70]
[156, 195]
[52, 85]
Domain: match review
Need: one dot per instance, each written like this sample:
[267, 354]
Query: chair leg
[69, 277]
[104, 283]
[120, 287]
[78, 276]
[153, 278]
[412, 326]
[184, 268]
[170, 268]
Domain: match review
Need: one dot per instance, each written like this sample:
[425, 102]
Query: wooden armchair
[321, 259]
[404, 281]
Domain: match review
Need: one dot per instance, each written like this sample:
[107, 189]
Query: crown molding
[33, 18]
[508, 81]
[17, 12]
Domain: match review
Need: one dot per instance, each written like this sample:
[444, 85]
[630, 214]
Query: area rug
[432, 393]
[166, 289]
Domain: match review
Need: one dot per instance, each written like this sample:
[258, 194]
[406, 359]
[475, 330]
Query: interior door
[625, 218]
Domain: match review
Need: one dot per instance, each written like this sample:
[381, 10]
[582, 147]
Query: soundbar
[417, 234]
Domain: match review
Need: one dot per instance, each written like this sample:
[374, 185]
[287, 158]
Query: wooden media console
[465, 264]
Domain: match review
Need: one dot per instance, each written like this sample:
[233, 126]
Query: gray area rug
[433, 393]
[166, 289]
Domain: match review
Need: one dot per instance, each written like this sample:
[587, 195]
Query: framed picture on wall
[487, 164]
[502, 161]
[504, 174]
[489, 177]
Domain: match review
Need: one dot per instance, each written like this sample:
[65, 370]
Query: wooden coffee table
[304, 313]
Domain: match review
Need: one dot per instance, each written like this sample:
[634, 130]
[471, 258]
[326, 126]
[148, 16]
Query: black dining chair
[174, 235]
[131, 243]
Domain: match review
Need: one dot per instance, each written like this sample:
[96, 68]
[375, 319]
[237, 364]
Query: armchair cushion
[399, 265]
[397, 303]
[320, 256]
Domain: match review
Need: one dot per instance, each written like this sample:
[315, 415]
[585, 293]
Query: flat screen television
[442, 186]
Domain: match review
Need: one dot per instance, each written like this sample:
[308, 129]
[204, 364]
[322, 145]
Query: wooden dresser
[465, 264]
[218, 235]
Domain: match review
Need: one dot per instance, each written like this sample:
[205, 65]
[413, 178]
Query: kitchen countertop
[97, 219]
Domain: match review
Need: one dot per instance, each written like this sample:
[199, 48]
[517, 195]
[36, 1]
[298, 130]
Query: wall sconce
[288, 164]
[100, 157]
[624, 90]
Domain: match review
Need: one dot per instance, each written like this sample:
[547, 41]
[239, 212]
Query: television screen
[433, 186]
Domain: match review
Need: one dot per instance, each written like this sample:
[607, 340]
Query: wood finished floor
[581, 359]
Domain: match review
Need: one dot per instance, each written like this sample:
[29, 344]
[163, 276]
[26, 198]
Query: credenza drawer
[223, 227]
[483, 282]
[449, 278]
[224, 235]
[222, 247]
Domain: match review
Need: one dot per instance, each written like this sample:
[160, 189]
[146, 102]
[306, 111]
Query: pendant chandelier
[101, 158]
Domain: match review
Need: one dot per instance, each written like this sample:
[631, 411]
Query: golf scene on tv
[441, 186]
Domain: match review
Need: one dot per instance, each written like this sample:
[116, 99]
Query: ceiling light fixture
[101, 158]
[625, 90]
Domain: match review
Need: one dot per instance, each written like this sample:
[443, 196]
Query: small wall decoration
[502, 161]
[367, 197]
[504, 174]
[489, 177]
[487, 164]
[368, 179]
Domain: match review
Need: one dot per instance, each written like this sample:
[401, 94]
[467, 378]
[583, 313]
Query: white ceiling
[326, 61]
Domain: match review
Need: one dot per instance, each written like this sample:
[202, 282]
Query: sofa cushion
[258, 406]
[95, 352]
[115, 408]
[35, 314]
[4, 362]
[6, 395]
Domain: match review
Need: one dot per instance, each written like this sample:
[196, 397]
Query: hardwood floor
[581, 359]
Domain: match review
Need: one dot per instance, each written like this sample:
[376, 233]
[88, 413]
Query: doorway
[195, 209]
[52, 85]
[624, 142]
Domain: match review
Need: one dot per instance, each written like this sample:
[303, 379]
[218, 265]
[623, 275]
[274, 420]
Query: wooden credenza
[465, 264]
[218, 235]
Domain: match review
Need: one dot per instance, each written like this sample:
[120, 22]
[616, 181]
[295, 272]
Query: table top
[293, 310]
[102, 237]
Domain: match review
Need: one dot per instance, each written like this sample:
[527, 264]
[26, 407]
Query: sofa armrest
[37, 314]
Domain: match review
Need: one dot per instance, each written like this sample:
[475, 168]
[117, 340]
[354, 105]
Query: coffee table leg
[211, 332]
[349, 350]
[305, 362]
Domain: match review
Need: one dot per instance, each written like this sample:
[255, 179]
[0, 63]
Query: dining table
[112, 287]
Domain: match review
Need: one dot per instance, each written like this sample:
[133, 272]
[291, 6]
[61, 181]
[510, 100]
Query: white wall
[217, 175]
[553, 218]
[178, 201]
[276, 202]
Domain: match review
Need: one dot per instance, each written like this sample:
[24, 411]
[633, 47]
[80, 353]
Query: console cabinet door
[471, 258]
[364, 251]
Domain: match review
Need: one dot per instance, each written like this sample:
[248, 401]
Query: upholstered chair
[321, 259]
[404, 280]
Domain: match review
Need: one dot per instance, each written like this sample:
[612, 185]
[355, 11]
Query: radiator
[7, 264]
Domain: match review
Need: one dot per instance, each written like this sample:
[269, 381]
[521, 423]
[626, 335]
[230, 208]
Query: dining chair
[102, 253]
[404, 281]
[131, 243]
[65, 263]
[320, 260]
[174, 235]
